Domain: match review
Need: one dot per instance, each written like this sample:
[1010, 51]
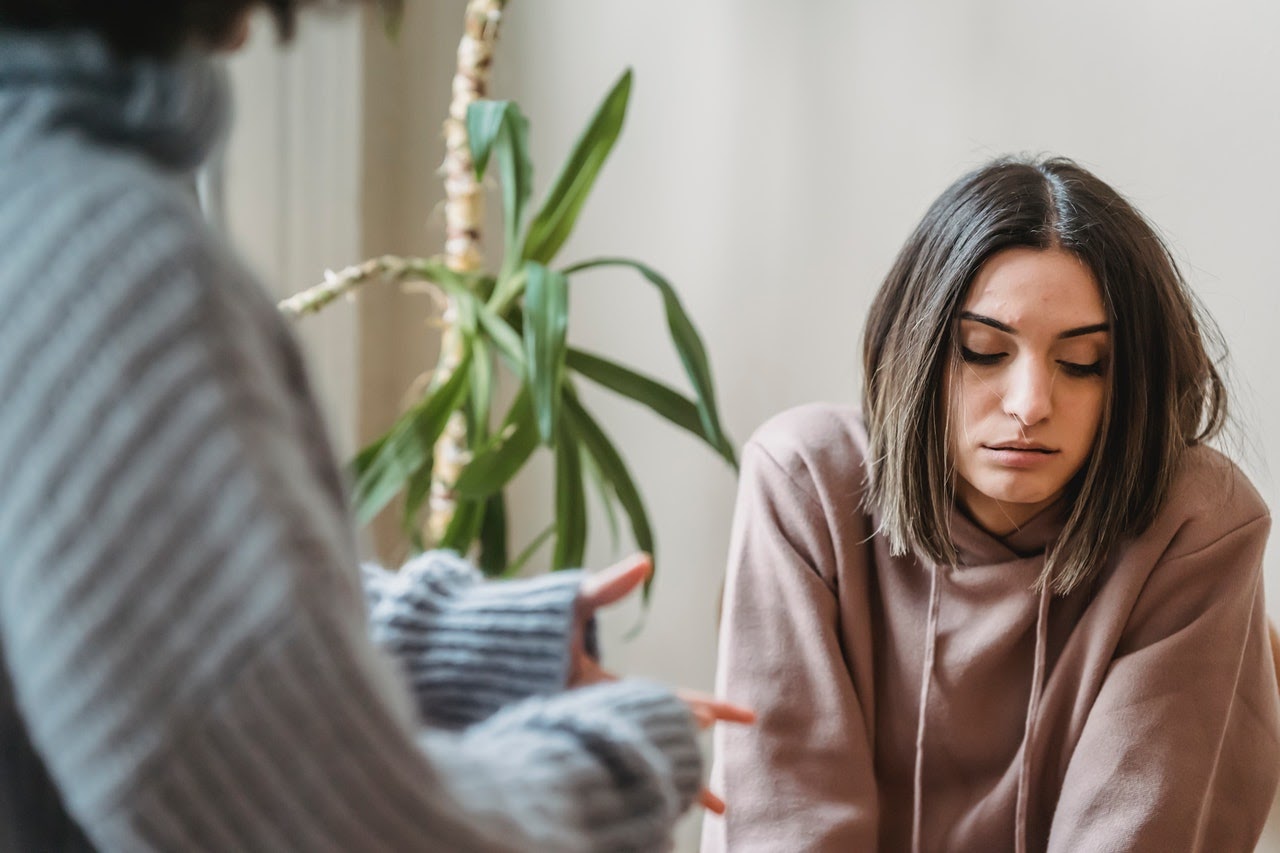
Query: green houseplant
[443, 453]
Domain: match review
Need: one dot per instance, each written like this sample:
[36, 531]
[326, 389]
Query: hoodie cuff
[468, 646]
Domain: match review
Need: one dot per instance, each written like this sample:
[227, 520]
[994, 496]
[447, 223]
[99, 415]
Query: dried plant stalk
[463, 213]
[344, 283]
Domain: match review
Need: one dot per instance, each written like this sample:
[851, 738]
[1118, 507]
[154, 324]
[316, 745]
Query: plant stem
[463, 213]
[344, 283]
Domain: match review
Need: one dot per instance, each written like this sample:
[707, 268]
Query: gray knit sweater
[187, 661]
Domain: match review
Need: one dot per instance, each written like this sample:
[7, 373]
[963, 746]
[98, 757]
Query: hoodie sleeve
[802, 778]
[1179, 751]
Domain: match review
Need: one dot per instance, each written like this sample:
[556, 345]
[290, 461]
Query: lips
[1018, 456]
[1021, 447]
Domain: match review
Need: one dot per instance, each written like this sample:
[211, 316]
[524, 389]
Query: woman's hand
[608, 587]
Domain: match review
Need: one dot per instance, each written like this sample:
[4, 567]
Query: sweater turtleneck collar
[174, 112]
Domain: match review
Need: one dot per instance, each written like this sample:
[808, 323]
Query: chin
[1018, 493]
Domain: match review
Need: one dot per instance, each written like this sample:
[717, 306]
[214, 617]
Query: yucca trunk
[464, 212]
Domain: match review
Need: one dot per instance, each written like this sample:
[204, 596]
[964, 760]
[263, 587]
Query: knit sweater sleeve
[183, 623]
[1180, 749]
[801, 778]
[467, 647]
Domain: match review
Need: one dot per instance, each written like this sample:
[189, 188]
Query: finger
[711, 802]
[702, 716]
[711, 709]
[616, 582]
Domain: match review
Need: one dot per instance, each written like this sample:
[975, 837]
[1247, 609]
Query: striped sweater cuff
[669, 724]
[469, 647]
[630, 759]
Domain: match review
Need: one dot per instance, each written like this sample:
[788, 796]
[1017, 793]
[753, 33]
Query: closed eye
[971, 357]
[1081, 370]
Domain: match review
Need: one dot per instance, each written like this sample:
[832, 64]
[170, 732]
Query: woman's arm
[1180, 749]
[802, 778]
[184, 629]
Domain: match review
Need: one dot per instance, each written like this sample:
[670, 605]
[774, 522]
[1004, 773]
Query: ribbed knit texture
[467, 648]
[187, 660]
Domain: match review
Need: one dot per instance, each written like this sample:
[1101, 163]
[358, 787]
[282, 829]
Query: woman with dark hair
[187, 652]
[1015, 603]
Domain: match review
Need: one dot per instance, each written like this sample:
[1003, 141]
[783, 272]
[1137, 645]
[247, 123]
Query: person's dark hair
[1165, 392]
[145, 28]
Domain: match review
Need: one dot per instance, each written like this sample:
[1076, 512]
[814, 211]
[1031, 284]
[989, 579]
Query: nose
[1029, 394]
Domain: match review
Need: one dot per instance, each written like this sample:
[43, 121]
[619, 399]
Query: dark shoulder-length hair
[1165, 392]
[145, 28]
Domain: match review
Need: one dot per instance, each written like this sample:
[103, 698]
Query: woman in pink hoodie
[1016, 602]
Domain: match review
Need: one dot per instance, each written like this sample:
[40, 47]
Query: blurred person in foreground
[193, 658]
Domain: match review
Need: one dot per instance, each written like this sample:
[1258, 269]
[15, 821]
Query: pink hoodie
[1140, 714]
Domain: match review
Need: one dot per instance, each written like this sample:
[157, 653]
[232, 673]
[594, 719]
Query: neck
[999, 518]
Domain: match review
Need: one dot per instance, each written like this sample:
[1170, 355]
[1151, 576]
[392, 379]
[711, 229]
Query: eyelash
[1072, 368]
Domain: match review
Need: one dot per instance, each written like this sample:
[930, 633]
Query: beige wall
[293, 184]
[776, 155]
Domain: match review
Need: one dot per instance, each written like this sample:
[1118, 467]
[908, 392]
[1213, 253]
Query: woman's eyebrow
[1010, 330]
[1086, 330]
[988, 321]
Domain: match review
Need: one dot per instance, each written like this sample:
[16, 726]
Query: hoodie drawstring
[1033, 709]
[930, 648]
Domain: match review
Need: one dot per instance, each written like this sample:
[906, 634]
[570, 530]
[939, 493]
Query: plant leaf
[454, 283]
[473, 314]
[480, 394]
[546, 321]
[551, 226]
[484, 123]
[493, 536]
[662, 399]
[500, 127]
[688, 343]
[392, 17]
[408, 445]
[532, 548]
[571, 504]
[415, 495]
[505, 338]
[366, 455]
[494, 465]
[464, 527]
[615, 471]
[506, 291]
[605, 491]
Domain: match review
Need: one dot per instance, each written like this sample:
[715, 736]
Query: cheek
[1086, 409]
[971, 404]
[1097, 400]
[971, 396]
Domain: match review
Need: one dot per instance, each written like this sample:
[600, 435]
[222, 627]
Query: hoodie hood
[977, 547]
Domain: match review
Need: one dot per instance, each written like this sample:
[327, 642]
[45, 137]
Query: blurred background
[774, 158]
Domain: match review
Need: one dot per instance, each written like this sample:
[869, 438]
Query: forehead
[1036, 288]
